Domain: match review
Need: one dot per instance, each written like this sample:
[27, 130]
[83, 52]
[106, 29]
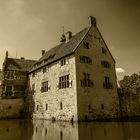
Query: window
[89, 107]
[64, 82]
[61, 106]
[107, 84]
[45, 69]
[33, 87]
[104, 50]
[86, 82]
[36, 129]
[9, 107]
[37, 107]
[9, 74]
[107, 80]
[61, 135]
[46, 106]
[102, 106]
[8, 88]
[3, 88]
[85, 59]
[63, 62]
[45, 131]
[90, 110]
[9, 91]
[86, 75]
[44, 87]
[86, 45]
[105, 64]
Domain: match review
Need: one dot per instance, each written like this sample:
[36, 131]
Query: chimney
[63, 38]
[43, 52]
[22, 58]
[68, 36]
[92, 21]
[6, 54]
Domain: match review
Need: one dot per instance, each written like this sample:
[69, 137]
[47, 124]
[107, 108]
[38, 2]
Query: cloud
[120, 70]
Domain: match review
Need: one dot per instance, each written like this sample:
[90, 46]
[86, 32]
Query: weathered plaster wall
[54, 96]
[97, 95]
[11, 108]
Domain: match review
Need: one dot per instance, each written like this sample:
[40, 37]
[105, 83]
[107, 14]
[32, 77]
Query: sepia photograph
[69, 70]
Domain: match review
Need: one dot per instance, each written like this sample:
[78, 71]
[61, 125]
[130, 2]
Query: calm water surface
[46, 130]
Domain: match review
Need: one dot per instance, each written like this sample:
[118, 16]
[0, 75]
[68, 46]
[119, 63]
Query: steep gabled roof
[62, 49]
[19, 64]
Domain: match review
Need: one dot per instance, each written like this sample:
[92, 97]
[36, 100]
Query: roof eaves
[49, 63]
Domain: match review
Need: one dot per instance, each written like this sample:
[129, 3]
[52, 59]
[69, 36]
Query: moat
[47, 130]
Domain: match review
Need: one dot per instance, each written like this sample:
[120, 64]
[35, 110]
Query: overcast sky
[28, 26]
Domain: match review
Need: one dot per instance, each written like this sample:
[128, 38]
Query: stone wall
[96, 102]
[55, 96]
[11, 108]
[79, 103]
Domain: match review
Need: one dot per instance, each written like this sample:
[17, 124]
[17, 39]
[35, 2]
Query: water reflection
[46, 130]
[16, 129]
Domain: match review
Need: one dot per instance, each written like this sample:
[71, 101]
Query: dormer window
[63, 61]
[45, 69]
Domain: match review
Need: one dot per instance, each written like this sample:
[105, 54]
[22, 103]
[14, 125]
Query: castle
[74, 81]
